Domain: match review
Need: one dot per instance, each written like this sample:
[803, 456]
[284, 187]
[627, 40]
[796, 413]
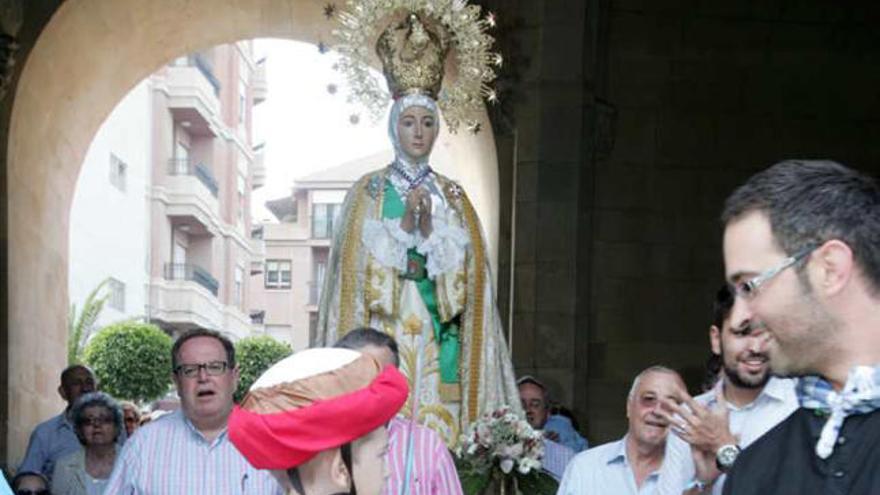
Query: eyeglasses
[214, 368]
[28, 491]
[748, 289]
[95, 421]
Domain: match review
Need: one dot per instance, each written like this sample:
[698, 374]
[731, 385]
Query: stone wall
[617, 255]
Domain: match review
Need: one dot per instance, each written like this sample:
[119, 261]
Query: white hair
[653, 369]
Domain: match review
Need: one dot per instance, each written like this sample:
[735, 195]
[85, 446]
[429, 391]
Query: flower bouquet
[501, 449]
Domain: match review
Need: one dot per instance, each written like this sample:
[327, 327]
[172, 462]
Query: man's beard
[744, 380]
[741, 381]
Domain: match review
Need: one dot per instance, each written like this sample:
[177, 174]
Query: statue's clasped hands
[418, 212]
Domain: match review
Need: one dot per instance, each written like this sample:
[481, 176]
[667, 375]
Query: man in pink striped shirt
[418, 460]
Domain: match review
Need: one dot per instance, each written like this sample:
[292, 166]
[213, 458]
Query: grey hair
[362, 337]
[657, 368]
[96, 399]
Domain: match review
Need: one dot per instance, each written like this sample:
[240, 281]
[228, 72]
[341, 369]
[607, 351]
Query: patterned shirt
[169, 456]
[556, 458]
[432, 471]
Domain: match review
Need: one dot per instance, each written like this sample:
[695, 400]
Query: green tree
[132, 360]
[255, 355]
[80, 326]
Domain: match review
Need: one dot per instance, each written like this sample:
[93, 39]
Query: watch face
[727, 456]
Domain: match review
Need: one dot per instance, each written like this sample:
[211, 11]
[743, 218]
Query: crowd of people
[796, 389]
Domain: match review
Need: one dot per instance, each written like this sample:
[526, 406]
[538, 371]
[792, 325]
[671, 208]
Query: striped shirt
[433, 472]
[556, 458]
[169, 456]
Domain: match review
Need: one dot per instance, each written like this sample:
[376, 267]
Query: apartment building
[196, 256]
[297, 247]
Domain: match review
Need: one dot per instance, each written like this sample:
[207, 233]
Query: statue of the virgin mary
[409, 257]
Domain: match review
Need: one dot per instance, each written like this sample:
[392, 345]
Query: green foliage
[254, 356]
[132, 360]
[80, 327]
[475, 482]
[536, 483]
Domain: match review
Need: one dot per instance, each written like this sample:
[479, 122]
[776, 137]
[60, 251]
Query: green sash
[445, 334]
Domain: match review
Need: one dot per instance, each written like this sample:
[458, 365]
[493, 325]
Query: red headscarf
[284, 423]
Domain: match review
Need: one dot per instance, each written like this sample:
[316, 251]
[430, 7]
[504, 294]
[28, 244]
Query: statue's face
[417, 130]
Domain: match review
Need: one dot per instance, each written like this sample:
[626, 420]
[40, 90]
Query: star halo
[460, 100]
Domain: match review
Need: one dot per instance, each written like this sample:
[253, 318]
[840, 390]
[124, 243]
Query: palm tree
[80, 327]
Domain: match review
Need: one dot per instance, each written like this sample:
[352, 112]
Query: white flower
[506, 466]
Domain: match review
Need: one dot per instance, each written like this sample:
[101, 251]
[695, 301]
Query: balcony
[190, 196]
[185, 297]
[193, 96]
[258, 167]
[198, 170]
[194, 273]
[259, 84]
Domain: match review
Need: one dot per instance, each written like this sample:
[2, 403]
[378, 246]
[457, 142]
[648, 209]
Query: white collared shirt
[748, 423]
[605, 470]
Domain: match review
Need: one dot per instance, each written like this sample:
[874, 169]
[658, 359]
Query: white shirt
[748, 423]
[605, 470]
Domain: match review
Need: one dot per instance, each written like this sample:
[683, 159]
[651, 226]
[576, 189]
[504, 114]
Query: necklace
[413, 180]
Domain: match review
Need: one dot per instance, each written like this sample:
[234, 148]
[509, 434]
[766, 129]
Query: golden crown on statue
[412, 57]
[417, 41]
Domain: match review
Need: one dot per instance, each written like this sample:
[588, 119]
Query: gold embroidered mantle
[359, 291]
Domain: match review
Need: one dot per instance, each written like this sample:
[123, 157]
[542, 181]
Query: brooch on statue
[374, 186]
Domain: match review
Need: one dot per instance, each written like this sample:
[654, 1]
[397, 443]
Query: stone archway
[85, 60]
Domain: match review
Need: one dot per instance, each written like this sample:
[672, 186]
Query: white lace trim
[387, 242]
[444, 248]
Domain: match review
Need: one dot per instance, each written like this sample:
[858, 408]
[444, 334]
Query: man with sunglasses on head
[744, 403]
[188, 451]
[802, 251]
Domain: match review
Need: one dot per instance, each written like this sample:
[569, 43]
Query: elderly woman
[97, 419]
[408, 258]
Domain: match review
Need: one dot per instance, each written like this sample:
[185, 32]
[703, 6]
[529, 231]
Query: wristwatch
[726, 456]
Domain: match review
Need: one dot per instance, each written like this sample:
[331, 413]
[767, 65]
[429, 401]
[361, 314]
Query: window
[277, 274]
[238, 286]
[116, 294]
[241, 200]
[242, 102]
[118, 172]
[323, 218]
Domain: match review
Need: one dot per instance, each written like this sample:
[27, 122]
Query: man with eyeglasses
[55, 437]
[802, 251]
[188, 451]
[744, 404]
[634, 464]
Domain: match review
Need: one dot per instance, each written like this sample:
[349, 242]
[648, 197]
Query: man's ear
[236, 375]
[715, 340]
[176, 381]
[62, 392]
[836, 265]
[339, 474]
